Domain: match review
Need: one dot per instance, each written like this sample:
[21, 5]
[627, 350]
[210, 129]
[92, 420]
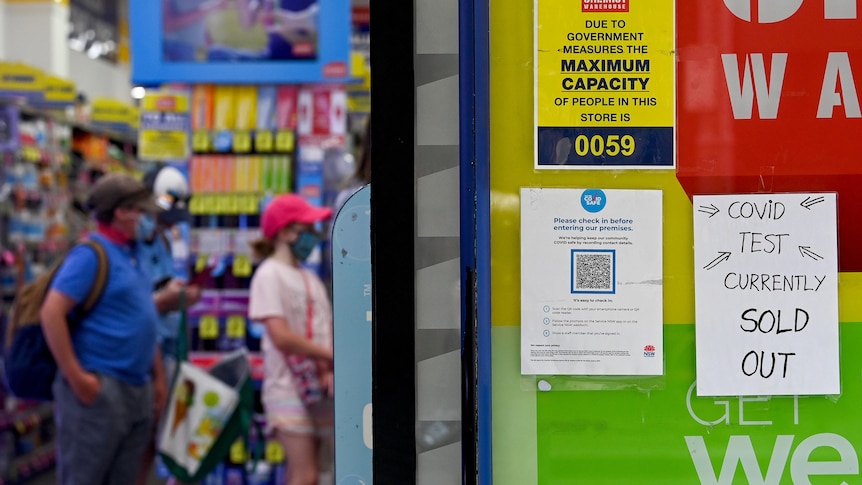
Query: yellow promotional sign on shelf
[21, 80]
[164, 130]
[59, 91]
[114, 114]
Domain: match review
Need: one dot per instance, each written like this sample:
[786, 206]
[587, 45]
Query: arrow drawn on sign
[710, 209]
[806, 251]
[808, 202]
[722, 257]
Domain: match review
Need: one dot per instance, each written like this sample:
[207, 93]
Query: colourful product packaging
[245, 100]
[226, 174]
[202, 106]
[266, 103]
[268, 174]
[254, 174]
[285, 116]
[194, 175]
[240, 174]
[285, 179]
[210, 173]
[224, 108]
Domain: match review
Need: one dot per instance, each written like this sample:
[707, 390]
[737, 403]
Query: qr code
[593, 272]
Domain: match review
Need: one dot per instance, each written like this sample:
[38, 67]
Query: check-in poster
[766, 294]
[604, 84]
[591, 282]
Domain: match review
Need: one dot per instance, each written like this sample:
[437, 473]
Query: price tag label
[236, 326]
[201, 141]
[241, 266]
[201, 262]
[231, 204]
[284, 141]
[196, 204]
[251, 205]
[221, 205]
[241, 142]
[209, 204]
[237, 452]
[208, 327]
[263, 141]
[274, 453]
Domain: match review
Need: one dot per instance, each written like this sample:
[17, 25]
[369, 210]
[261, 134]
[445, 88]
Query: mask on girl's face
[146, 226]
[304, 245]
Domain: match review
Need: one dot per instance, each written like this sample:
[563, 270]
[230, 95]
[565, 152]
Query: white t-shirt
[279, 290]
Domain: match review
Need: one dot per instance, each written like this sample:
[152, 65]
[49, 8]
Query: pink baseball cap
[286, 209]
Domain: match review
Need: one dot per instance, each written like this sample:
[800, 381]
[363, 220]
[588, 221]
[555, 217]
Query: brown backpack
[29, 364]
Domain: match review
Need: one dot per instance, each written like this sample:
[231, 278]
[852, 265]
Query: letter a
[838, 70]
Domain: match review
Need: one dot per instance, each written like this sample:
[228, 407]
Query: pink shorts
[290, 415]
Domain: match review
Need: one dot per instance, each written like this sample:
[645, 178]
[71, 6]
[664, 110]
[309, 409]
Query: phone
[159, 285]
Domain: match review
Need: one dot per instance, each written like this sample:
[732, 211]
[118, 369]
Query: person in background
[154, 235]
[361, 176]
[110, 372]
[288, 298]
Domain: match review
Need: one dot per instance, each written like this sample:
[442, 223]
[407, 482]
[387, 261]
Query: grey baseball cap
[120, 190]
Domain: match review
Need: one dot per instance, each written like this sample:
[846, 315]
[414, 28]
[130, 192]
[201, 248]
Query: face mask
[304, 245]
[146, 226]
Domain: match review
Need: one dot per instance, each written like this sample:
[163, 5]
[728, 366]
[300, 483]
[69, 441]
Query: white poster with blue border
[591, 282]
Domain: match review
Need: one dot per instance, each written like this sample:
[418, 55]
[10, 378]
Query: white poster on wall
[591, 282]
[766, 294]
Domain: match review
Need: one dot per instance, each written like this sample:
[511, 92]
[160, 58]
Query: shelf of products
[47, 163]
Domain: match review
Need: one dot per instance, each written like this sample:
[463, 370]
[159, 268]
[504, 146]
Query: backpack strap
[99, 283]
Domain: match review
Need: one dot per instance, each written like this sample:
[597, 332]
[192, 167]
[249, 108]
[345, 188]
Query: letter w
[742, 92]
[739, 449]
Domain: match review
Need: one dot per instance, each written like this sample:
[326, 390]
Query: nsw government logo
[649, 351]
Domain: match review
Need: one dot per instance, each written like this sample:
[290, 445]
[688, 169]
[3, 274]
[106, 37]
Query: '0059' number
[611, 145]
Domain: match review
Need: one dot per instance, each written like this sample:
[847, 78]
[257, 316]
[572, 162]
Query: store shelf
[24, 468]
[60, 116]
[23, 420]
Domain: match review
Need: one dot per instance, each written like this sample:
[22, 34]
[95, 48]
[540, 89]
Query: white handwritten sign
[766, 294]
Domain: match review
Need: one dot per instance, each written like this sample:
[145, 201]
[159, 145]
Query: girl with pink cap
[294, 305]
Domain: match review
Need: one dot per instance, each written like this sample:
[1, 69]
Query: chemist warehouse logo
[604, 5]
[649, 350]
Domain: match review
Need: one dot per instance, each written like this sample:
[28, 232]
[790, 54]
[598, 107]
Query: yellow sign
[164, 131]
[208, 327]
[236, 326]
[263, 141]
[114, 114]
[21, 80]
[604, 81]
[60, 91]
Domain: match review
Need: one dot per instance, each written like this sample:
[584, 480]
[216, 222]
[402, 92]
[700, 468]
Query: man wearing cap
[110, 374]
[171, 191]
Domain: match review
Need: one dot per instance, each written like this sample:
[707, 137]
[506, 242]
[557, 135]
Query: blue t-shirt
[118, 337]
